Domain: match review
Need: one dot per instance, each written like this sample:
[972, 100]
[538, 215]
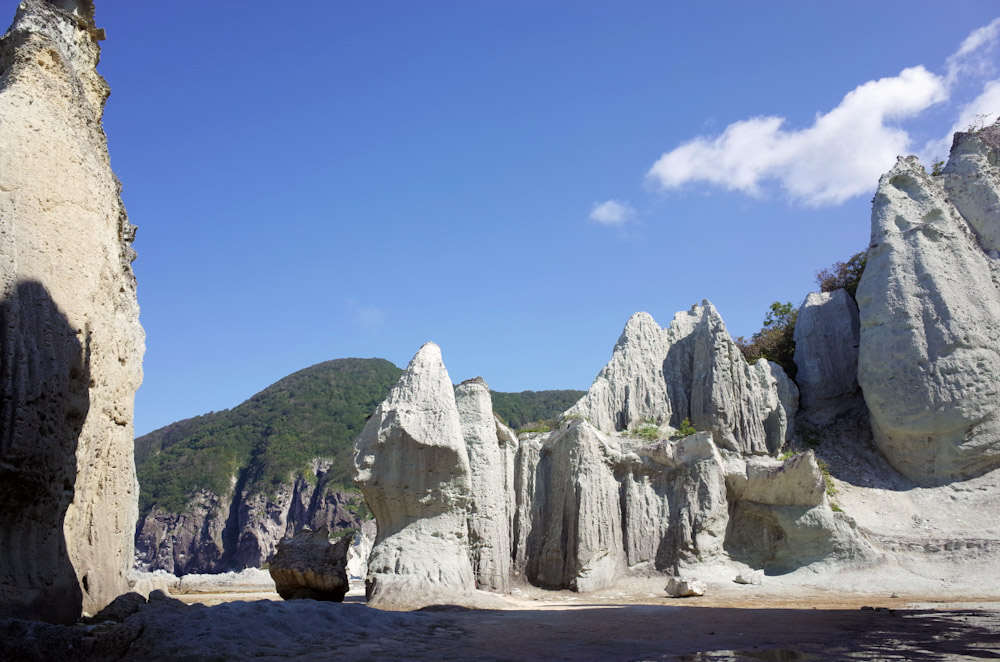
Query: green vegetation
[685, 430]
[775, 341]
[529, 407]
[316, 412]
[647, 430]
[536, 426]
[937, 168]
[844, 275]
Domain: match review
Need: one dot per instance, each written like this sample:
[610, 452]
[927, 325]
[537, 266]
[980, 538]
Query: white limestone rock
[489, 516]
[413, 468]
[797, 481]
[930, 317]
[685, 588]
[713, 386]
[827, 332]
[751, 577]
[692, 370]
[576, 541]
[630, 389]
[361, 548]
[70, 342]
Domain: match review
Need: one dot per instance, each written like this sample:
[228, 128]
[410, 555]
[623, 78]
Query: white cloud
[981, 111]
[973, 56]
[612, 212]
[846, 149]
[841, 155]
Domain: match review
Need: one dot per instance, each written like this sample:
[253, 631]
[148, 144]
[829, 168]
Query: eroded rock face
[70, 341]
[489, 507]
[576, 542]
[713, 386]
[236, 530]
[412, 465]
[827, 332]
[310, 566]
[930, 315]
[630, 389]
[583, 507]
[691, 370]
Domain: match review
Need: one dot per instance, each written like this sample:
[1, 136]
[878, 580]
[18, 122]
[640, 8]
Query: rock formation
[413, 468]
[489, 507]
[579, 507]
[631, 388]
[827, 333]
[310, 566]
[233, 531]
[692, 370]
[930, 314]
[70, 341]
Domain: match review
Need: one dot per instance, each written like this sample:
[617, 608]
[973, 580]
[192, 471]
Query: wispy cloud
[612, 212]
[366, 314]
[845, 150]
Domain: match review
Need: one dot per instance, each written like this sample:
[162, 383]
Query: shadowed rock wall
[71, 345]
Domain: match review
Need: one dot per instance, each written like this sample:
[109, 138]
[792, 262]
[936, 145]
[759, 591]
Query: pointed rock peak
[425, 380]
[640, 320]
[428, 354]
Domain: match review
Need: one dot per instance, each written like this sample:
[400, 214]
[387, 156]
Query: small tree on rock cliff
[775, 341]
[844, 275]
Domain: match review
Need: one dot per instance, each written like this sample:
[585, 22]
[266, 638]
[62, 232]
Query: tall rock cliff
[70, 342]
[236, 529]
[412, 464]
[491, 479]
[827, 331]
[929, 306]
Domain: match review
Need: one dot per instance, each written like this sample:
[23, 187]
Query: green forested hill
[314, 412]
[517, 409]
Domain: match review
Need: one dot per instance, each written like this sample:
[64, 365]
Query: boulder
[310, 566]
[489, 516]
[70, 342]
[754, 577]
[827, 333]
[412, 465]
[685, 588]
[930, 316]
[120, 608]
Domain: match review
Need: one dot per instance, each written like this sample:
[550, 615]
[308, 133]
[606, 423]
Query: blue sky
[510, 180]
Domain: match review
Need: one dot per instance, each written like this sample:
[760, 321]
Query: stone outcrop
[489, 508]
[630, 389]
[930, 315]
[692, 370]
[237, 530]
[361, 547]
[827, 331]
[310, 566]
[413, 468]
[70, 342]
[580, 506]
